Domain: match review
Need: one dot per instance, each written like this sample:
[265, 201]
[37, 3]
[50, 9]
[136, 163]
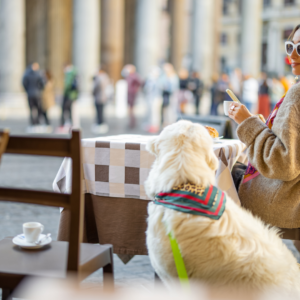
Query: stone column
[12, 45]
[86, 41]
[203, 41]
[147, 35]
[179, 32]
[59, 39]
[272, 48]
[112, 37]
[129, 31]
[36, 32]
[217, 18]
[251, 36]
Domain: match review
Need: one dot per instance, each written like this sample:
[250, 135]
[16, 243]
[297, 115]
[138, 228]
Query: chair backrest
[4, 136]
[60, 147]
[221, 124]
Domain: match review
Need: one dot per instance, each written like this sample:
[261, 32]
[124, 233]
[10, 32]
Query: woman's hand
[238, 112]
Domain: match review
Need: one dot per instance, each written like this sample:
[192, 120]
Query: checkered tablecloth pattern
[117, 166]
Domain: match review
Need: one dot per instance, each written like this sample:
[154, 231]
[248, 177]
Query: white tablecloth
[117, 166]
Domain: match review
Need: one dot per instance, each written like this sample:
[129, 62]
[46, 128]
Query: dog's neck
[163, 182]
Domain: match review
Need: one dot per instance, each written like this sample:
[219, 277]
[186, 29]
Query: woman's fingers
[238, 112]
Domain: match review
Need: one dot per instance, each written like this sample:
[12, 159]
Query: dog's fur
[236, 249]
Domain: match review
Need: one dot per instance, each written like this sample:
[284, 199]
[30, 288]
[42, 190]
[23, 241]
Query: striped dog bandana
[251, 172]
[194, 199]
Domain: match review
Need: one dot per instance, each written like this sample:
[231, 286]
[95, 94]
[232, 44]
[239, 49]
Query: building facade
[88, 33]
[201, 35]
[262, 27]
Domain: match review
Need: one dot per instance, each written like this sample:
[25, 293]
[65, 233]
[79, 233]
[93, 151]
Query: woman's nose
[294, 54]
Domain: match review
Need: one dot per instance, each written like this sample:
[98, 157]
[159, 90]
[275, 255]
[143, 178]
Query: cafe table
[114, 171]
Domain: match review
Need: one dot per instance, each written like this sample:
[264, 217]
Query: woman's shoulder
[293, 95]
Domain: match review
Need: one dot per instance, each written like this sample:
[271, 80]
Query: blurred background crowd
[166, 93]
[146, 61]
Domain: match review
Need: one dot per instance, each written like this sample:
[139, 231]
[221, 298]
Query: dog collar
[194, 199]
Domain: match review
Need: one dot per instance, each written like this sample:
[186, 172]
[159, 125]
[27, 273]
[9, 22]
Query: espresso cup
[32, 231]
[226, 105]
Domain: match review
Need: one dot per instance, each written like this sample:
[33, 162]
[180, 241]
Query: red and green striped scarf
[194, 199]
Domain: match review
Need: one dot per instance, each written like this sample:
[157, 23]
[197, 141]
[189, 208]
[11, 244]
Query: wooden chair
[4, 136]
[59, 258]
[290, 233]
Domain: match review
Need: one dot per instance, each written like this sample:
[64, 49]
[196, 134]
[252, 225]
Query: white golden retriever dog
[236, 249]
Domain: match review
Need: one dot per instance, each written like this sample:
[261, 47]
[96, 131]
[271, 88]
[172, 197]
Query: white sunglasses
[290, 46]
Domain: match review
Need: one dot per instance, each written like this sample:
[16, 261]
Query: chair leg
[108, 277]
[157, 279]
[6, 293]
[108, 274]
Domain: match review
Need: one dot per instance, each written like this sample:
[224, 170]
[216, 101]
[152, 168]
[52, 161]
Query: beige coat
[274, 195]
[48, 98]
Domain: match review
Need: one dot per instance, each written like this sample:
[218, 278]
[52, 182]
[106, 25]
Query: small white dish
[218, 138]
[20, 240]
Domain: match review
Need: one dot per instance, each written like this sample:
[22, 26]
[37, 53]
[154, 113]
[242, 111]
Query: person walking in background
[33, 83]
[218, 92]
[101, 85]
[277, 92]
[250, 93]
[223, 85]
[48, 99]
[169, 84]
[70, 93]
[134, 82]
[152, 93]
[236, 82]
[196, 86]
[263, 97]
[183, 97]
[214, 92]
[285, 83]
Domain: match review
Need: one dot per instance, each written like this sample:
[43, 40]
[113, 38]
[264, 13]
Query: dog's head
[184, 153]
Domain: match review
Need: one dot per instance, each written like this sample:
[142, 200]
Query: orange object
[212, 131]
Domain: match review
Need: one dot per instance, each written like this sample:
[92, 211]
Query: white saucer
[20, 240]
[217, 139]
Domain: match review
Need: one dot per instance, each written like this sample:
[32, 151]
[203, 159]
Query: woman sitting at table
[270, 188]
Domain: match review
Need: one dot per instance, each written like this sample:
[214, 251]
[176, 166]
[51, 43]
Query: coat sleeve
[275, 153]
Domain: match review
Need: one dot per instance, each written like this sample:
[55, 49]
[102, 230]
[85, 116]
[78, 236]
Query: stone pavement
[38, 172]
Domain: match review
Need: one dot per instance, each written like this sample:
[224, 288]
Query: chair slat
[35, 197]
[4, 137]
[38, 146]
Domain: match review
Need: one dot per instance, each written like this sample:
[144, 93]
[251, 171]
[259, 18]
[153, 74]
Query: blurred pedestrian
[33, 83]
[48, 98]
[183, 93]
[263, 97]
[223, 85]
[277, 92]
[169, 84]
[214, 92]
[70, 93]
[218, 92]
[285, 83]
[250, 93]
[196, 86]
[152, 93]
[101, 85]
[134, 82]
[236, 82]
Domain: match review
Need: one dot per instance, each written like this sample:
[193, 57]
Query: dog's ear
[152, 146]
[212, 161]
